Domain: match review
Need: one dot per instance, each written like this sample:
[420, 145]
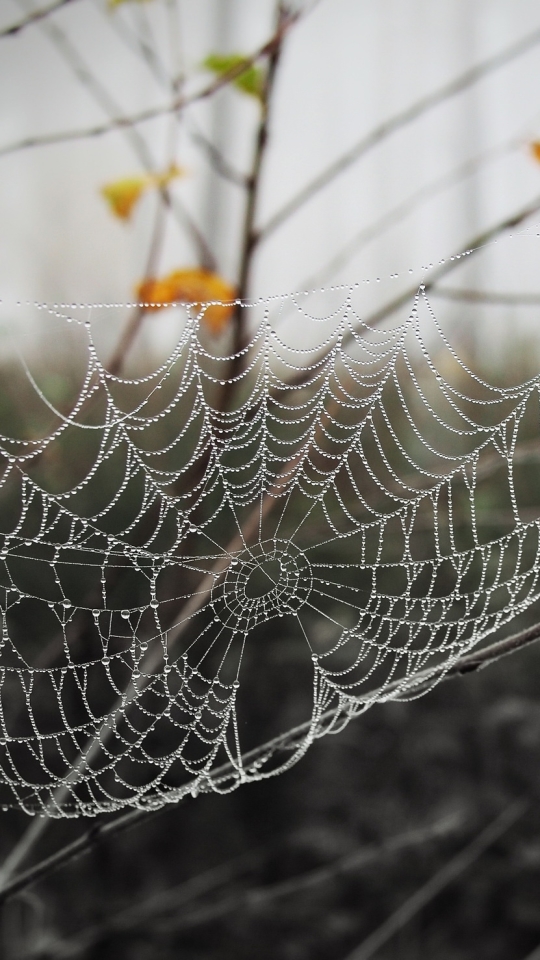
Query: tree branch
[174, 106]
[71, 851]
[411, 293]
[134, 323]
[33, 18]
[218, 161]
[255, 898]
[138, 44]
[535, 955]
[450, 263]
[388, 127]
[480, 296]
[249, 236]
[402, 209]
[262, 897]
[137, 142]
[158, 904]
[441, 879]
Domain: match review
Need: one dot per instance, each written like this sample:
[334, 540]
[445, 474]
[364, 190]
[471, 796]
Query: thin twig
[441, 879]
[138, 44]
[450, 263]
[400, 120]
[71, 851]
[263, 897]
[174, 106]
[284, 742]
[32, 18]
[160, 903]
[249, 235]
[402, 209]
[134, 324]
[130, 331]
[481, 296]
[411, 293]
[219, 163]
[101, 95]
[255, 898]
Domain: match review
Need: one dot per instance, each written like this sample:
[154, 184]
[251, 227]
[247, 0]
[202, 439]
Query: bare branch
[411, 293]
[388, 127]
[535, 955]
[256, 898]
[249, 235]
[218, 161]
[101, 95]
[450, 263]
[139, 45]
[162, 902]
[33, 18]
[262, 897]
[402, 209]
[481, 296]
[441, 879]
[136, 44]
[71, 851]
[174, 106]
[134, 323]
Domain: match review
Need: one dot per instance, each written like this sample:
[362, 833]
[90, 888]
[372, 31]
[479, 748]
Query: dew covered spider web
[192, 556]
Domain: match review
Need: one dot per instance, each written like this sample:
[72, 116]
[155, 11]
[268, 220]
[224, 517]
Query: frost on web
[350, 512]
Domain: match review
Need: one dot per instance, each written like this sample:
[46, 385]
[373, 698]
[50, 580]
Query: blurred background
[362, 835]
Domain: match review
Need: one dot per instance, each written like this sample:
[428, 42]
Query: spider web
[339, 503]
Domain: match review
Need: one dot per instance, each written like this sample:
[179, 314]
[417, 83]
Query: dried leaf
[122, 195]
[250, 81]
[193, 285]
[535, 150]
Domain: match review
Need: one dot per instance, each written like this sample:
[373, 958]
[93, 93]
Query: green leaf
[250, 81]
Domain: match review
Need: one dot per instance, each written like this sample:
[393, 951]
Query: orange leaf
[193, 285]
[535, 150]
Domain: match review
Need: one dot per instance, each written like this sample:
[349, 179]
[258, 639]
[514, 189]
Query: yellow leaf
[193, 285]
[124, 194]
[535, 150]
